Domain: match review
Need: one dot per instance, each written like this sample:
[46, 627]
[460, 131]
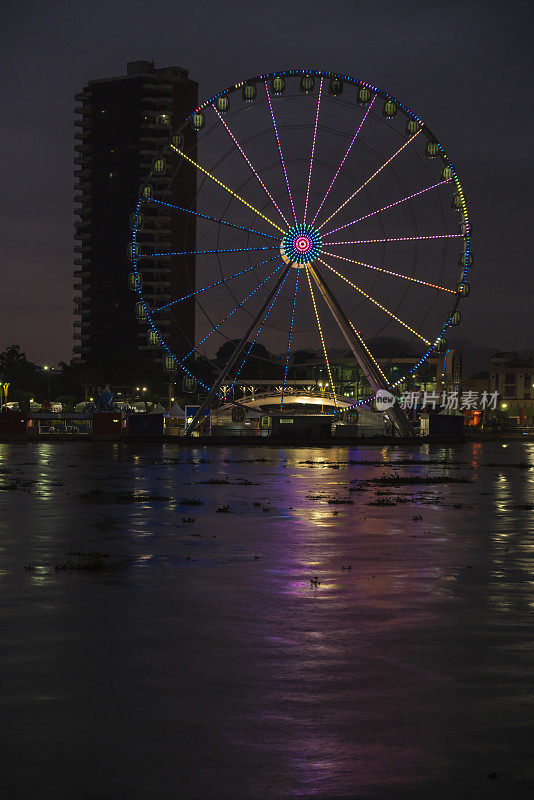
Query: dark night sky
[465, 67]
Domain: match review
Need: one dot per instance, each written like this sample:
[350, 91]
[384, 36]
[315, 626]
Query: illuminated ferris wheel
[326, 216]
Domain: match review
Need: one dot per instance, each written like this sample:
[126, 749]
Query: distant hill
[476, 358]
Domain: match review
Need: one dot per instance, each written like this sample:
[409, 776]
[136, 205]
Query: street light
[46, 369]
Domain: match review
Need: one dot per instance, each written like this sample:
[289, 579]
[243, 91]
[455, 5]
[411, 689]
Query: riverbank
[271, 441]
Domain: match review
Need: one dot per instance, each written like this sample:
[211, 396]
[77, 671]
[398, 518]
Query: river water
[199, 661]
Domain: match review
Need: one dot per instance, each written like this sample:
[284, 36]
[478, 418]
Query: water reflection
[206, 650]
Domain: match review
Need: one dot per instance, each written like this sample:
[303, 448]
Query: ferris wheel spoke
[376, 303]
[256, 335]
[289, 338]
[390, 272]
[398, 239]
[321, 336]
[265, 189]
[212, 285]
[391, 205]
[204, 252]
[280, 151]
[378, 171]
[313, 149]
[369, 353]
[226, 188]
[211, 219]
[344, 159]
[232, 312]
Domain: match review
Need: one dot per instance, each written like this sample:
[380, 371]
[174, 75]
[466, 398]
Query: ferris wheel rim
[322, 74]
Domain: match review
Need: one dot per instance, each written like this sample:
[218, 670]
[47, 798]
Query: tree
[23, 375]
[304, 356]
[258, 364]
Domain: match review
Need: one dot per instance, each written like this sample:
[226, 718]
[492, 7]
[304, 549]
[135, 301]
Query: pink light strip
[344, 158]
[389, 272]
[385, 208]
[373, 176]
[280, 151]
[313, 150]
[271, 198]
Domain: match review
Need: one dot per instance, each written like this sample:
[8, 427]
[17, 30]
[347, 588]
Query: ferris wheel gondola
[325, 208]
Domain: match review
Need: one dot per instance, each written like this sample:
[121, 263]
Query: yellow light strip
[230, 191]
[384, 309]
[371, 356]
[322, 337]
[370, 179]
[389, 272]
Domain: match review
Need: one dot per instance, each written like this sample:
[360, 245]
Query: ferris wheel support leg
[370, 370]
[235, 355]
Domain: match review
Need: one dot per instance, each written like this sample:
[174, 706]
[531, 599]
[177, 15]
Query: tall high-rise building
[122, 125]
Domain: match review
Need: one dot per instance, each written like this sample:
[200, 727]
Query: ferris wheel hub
[300, 246]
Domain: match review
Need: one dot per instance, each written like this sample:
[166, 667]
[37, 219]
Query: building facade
[122, 124]
[513, 378]
[438, 373]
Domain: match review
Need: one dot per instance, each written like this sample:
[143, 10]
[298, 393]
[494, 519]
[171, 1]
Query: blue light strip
[205, 252]
[205, 216]
[212, 285]
[253, 342]
[195, 348]
[289, 340]
[149, 316]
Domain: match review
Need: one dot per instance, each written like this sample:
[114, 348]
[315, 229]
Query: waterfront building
[438, 373]
[513, 378]
[122, 125]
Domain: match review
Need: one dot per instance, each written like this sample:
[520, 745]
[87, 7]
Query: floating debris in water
[85, 562]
